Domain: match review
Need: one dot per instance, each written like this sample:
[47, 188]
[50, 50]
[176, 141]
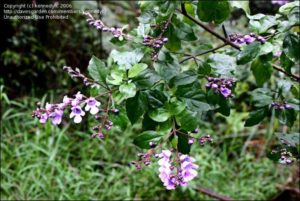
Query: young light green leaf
[159, 114]
[136, 69]
[128, 90]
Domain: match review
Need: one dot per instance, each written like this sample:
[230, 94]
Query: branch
[213, 194]
[228, 42]
[202, 53]
[278, 68]
[225, 40]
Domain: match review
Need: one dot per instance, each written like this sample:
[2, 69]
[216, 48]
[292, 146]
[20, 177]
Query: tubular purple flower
[225, 92]
[44, 118]
[77, 113]
[56, 116]
[92, 105]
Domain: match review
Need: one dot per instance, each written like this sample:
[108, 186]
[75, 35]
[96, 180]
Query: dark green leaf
[224, 106]
[286, 63]
[97, 70]
[187, 120]
[136, 106]
[145, 138]
[156, 98]
[248, 53]
[175, 107]
[261, 97]
[213, 11]
[174, 43]
[184, 78]
[255, 117]
[291, 46]
[183, 145]
[146, 79]
[262, 70]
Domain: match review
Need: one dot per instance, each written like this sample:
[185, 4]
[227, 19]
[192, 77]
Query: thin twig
[202, 53]
[213, 194]
[228, 42]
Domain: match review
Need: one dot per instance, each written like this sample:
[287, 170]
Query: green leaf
[159, 114]
[293, 139]
[116, 76]
[213, 11]
[291, 46]
[136, 69]
[127, 59]
[175, 107]
[224, 108]
[183, 145]
[194, 98]
[183, 30]
[255, 117]
[156, 98]
[145, 138]
[248, 53]
[128, 90]
[262, 70]
[166, 70]
[261, 97]
[286, 63]
[184, 78]
[263, 23]
[136, 107]
[187, 120]
[174, 43]
[146, 79]
[286, 9]
[241, 4]
[222, 64]
[286, 117]
[97, 70]
[294, 16]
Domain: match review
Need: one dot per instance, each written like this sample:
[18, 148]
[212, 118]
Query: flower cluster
[116, 32]
[221, 85]
[144, 158]
[202, 140]
[280, 2]
[55, 111]
[77, 74]
[281, 105]
[240, 39]
[155, 43]
[180, 174]
[286, 157]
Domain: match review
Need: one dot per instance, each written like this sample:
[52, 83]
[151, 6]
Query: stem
[202, 53]
[228, 42]
[225, 40]
[213, 194]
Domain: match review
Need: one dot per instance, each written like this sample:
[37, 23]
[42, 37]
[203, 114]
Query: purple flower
[277, 54]
[225, 92]
[248, 39]
[43, 118]
[77, 113]
[191, 141]
[280, 2]
[56, 116]
[92, 105]
[188, 168]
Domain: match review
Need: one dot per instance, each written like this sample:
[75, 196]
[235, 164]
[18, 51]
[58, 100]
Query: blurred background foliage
[48, 162]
